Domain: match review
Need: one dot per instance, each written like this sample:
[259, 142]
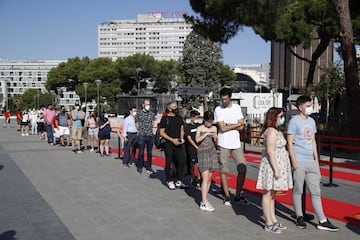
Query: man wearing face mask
[76, 132]
[63, 123]
[305, 162]
[172, 129]
[130, 137]
[144, 121]
[230, 121]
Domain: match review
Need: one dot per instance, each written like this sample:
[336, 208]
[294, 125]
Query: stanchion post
[331, 184]
[119, 146]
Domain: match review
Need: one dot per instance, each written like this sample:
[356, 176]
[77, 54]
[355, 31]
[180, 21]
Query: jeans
[175, 155]
[49, 131]
[34, 127]
[149, 142]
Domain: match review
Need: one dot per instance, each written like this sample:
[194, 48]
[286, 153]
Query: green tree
[167, 73]
[288, 21]
[202, 65]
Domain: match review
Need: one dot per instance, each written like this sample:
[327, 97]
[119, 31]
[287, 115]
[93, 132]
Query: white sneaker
[26, 134]
[91, 150]
[22, 134]
[171, 185]
[206, 207]
[180, 184]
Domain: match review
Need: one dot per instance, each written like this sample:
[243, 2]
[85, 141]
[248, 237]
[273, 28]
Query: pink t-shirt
[49, 115]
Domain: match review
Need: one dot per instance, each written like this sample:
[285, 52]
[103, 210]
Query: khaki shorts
[238, 157]
[76, 133]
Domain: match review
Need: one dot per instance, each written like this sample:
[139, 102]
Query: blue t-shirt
[303, 130]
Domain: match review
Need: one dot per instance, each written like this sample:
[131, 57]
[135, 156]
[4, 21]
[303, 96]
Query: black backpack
[159, 141]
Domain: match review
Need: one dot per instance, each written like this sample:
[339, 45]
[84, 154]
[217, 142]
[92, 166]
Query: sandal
[272, 228]
[280, 226]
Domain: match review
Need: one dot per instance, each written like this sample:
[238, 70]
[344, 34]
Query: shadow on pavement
[8, 235]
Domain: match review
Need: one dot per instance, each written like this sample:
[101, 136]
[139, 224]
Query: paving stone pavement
[50, 193]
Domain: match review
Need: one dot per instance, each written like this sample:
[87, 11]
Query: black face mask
[175, 111]
[63, 110]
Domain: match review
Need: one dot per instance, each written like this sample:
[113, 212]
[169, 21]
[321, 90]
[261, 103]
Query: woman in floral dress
[275, 169]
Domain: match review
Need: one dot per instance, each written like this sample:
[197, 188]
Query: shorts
[76, 133]
[84, 133]
[93, 131]
[41, 127]
[238, 157]
[104, 137]
[24, 123]
[64, 131]
[56, 133]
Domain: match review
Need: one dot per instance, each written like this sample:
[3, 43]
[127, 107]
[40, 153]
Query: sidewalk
[48, 192]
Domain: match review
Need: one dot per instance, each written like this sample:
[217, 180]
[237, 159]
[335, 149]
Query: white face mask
[281, 121]
[134, 114]
[147, 107]
[308, 111]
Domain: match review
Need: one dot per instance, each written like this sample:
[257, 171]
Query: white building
[18, 76]
[258, 72]
[151, 34]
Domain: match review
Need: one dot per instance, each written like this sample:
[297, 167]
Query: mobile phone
[179, 140]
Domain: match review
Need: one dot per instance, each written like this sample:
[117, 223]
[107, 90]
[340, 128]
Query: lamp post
[37, 101]
[52, 92]
[85, 89]
[98, 82]
[138, 71]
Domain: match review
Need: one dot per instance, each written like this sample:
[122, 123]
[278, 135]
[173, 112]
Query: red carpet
[342, 211]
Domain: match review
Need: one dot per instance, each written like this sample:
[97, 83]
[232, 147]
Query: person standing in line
[104, 135]
[41, 126]
[145, 120]
[77, 115]
[305, 162]
[93, 128]
[25, 124]
[191, 147]
[7, 118]
[130, 137]
[172, 130]
[49, 117]
[206, 137]
[84, 131]
[230, 121]
[63, 122]
[275, 168]
[18, 119]
[33, 120]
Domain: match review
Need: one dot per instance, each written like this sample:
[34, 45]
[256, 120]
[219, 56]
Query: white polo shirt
[229, 139]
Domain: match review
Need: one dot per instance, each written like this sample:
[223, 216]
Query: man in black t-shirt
[172, 129]
[191, 147]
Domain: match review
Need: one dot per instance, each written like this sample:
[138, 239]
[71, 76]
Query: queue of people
[78, 129]
[197, 150]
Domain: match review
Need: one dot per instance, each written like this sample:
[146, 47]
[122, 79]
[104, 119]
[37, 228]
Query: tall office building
[18, 76]
[288, 71]
[151, 34]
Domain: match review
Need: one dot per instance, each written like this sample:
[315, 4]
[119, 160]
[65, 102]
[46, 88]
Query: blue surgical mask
[281, 121]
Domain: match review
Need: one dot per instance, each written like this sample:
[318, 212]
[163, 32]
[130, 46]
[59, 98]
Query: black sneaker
[150, 170]
[327, 226]
[241, 200]
[300, 223]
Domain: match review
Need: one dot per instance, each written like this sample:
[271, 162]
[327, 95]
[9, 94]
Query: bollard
[119, 146]
[330, 183]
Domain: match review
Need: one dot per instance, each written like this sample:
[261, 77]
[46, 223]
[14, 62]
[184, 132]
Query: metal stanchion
[119, 148]
[331, 184]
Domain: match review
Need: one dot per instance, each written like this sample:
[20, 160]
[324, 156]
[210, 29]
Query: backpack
[159, 141]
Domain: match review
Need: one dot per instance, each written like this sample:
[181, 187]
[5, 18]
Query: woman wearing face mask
[275, 169]
[206, 137]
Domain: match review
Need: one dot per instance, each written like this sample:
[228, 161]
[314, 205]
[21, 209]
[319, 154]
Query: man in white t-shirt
[230, 121]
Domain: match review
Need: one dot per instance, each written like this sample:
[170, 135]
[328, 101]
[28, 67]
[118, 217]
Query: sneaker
[180, 184]
[272, 228]
[26, 134]
[23, 134]
[241, 200]
[300, 223]
[139, 171]
[280, 226]
[150, 170]
[79, 151]
[126, 165]
[91, 150]
[206, 207]
[227, 201]
[171, 185]
[327, 226]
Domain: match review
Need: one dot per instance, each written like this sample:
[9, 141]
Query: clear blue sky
[61, 29]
